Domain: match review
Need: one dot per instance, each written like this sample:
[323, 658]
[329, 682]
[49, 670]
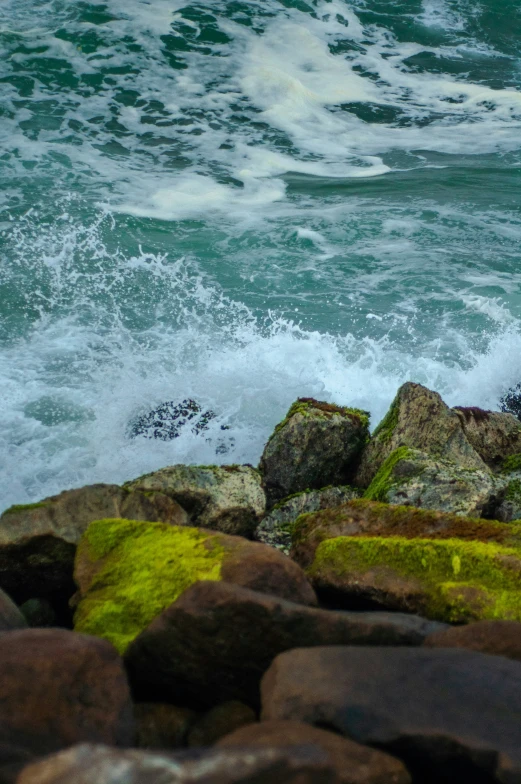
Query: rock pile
[349, 613]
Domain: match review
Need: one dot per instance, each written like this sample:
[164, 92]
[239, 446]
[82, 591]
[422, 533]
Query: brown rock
[10, 616]
[354, 763]
[498, 638]
[38, 541]
[451, 715]
[220, 721]
[418, 418]
[494, 436]
[162, 726]
[316, 445]
[87, 764]
[57, 689]
[370, 518]
[215, 642]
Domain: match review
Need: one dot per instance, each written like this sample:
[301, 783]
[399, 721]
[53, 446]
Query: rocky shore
[347, 613]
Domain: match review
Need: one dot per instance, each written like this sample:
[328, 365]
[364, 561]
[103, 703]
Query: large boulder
[317, 444]
[275, 528]
[418, 418]
[495, 436]
[412, 478]
[38, 541]
[214, 643]
[128, 572]
[225, 498]
[354, 763]
[445, 579]
[451, 715]
[59, 688]
[367, 518]
[499, 638]
[86, 764]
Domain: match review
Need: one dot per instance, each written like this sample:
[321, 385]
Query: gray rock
[275, 528]
[507, 504]
[86, 764]
[216, 640]
[229, 499]
[38, 541]
[495, 436]
[317, 444]
[451, 715]
[412, 478]
[10, 616]
[418, 418]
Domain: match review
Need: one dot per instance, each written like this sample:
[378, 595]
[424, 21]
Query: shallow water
[243, 203]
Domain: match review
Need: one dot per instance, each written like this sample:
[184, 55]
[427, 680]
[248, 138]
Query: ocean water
[243, 203]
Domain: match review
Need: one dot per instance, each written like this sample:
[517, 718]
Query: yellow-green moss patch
[379, 488]
[461, 580]
[18, 508]
[512, 463]
[143, 568]
[306, 405]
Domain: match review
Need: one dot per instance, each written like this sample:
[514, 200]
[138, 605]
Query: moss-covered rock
[444, 579]
[275, 528]
[418, 418]
[38, 541]
[367, 518]
[225, 498]
[317, 444]
[128, 572]
[411, 477]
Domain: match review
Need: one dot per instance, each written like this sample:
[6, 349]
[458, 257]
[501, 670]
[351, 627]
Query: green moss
[304, 405]
[512, 463]
[379, 488]
[145, 567]
[17, 508]
[513, 491]
[462, 580]
[385, 429]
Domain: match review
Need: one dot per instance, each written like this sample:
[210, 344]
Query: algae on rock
[317, 444]
[128, 572]
[418, 418]
[409, 477]
[448, 580]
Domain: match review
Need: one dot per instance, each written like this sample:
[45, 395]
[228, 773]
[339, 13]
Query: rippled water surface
[243, 203]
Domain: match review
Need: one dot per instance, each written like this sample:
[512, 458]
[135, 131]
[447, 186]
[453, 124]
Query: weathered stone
[10, 616]
[162, 726]
[444, 579]
[216, 640]
[507, 503]
[419, 419]
[275, 528]
[39, 613]
[38, 541]
[220, 721]
[85, 764]
[354, 763]
[367, 518]
[498, 638]
[409, 477]
[451, 715]
[59, 688]
[317, 444]
[494, 436]
[128, 572]
[224, 498]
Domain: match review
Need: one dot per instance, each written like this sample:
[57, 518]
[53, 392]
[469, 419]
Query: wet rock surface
[451, 715]
[215, 642]
[498, 638]
[353, 763]
[316, 445]
[275, 528]
[86, 764]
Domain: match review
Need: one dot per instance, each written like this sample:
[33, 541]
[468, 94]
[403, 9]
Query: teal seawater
[242, 203]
